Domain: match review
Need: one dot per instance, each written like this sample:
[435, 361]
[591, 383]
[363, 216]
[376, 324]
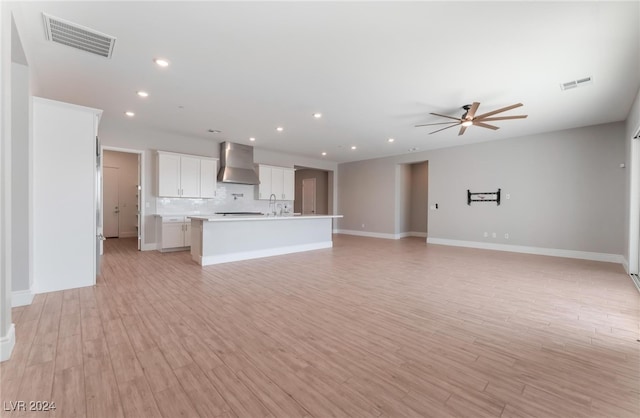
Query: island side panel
[196, 240]
[242, 240]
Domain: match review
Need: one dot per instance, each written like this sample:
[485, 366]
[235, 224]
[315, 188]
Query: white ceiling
[373, 69]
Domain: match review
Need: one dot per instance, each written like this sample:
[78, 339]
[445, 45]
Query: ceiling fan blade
[439, 123]
[472, 111]
[443, 129]
[445, 116]
[462, 129]
[485, 125]
[504, 109]
[502, 118]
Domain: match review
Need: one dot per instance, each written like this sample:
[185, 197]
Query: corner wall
[632, 188]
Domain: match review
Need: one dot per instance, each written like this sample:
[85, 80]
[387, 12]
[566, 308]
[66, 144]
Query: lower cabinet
[174, 233]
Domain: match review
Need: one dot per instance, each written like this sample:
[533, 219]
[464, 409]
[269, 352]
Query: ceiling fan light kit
[469, 118]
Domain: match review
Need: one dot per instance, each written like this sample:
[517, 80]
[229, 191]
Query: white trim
[148, 247]
[7, 343]
[625, 264]
[412, 234]
[248, 255]
[21, 298]
[554, 252]
[368, 234]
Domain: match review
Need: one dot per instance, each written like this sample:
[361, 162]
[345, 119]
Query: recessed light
[324, 153]
[353, 147]
[142, 93]
[214, 131]
[317, 115]
[390, 140]
[130, 114]
[414, 149]
[161, 62]
[279, 129]
[252, 139]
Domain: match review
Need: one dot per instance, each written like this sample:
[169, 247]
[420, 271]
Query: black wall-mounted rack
[483, 197]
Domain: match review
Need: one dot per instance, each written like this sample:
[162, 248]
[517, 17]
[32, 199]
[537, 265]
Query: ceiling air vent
[79, 37]
[576, 83]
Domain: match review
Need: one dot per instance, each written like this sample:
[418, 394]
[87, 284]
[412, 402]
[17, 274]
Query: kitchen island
[221, 239]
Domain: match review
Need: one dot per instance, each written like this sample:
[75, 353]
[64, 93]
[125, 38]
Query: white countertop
[222, 218]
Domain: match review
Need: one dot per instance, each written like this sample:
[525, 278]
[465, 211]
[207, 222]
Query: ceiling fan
[469, 118]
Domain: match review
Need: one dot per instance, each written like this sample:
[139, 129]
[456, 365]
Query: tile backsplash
[229, 198]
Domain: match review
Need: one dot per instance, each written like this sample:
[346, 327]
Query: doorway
[412, 194]
[312, 191]
[122, 195]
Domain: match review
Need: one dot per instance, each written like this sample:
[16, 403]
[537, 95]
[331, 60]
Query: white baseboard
[412, 234]
[625, 264]
[7, 342]
[21, 298]
[380, 234]
[248, 255]
[149, 247]
[368, 234]
[554, 252]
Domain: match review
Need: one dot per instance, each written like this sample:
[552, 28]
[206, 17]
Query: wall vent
[79, 37]
[576, 83]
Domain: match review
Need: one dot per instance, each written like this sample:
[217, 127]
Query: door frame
[104, 176]
[142, 189]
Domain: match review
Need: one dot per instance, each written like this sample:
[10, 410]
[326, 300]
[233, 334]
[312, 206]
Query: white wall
[116, 132]
[7, 330]
[566, 187]
[64, 213]
[20, 167]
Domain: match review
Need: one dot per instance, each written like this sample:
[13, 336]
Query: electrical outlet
[493, 235]
[508, 196]
[486, 234]
[506, 236]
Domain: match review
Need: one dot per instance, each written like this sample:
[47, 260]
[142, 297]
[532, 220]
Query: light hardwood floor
[369, 328]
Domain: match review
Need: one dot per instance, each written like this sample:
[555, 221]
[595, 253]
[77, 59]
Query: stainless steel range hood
[236, 164]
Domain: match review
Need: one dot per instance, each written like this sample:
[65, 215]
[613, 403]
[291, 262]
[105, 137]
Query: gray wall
[403, 198]
[419, 196]
[20, 173]
[322, 178]
[566, 187]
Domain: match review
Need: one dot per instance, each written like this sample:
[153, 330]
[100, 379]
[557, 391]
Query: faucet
[272, 204]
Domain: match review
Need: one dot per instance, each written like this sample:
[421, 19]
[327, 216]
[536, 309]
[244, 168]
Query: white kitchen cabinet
[288, 184]
[186, 176]
[174, 233]
[208, 173]
[189, 176]
[279, 181]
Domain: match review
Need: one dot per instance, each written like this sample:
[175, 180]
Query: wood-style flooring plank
[369, 328]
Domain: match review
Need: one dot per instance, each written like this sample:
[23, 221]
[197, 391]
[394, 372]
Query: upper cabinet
[278, 181]
[182, 175]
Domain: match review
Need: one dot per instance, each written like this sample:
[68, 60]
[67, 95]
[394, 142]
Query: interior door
[308, 196]
[111, 212]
